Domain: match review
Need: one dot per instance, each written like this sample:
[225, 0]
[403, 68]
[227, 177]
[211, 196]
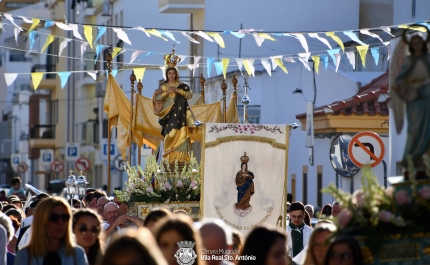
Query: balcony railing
[45, 68]
[41, 131]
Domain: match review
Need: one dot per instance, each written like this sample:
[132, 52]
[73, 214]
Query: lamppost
[81, 186]
[71, 186]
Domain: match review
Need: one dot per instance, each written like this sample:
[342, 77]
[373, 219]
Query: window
[319, 184]
[414, 7]
[253, 113]
[305, 185]
[18, 56]
[293, 185]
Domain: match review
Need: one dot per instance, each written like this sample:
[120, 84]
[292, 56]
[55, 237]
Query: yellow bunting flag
[155, 33]
[336, 39]
[316, 60]
[139, 72]
[247, 65]
[266, 36]
[88, 32]
[225, 62]
[421, 29]
[36, 78]
[49, 40]
[35, 24]
[116, 50]
[217, 38]
[279, 63]
[362, 50]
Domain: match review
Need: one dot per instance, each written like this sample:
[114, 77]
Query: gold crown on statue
[244, 159]
[172, 59]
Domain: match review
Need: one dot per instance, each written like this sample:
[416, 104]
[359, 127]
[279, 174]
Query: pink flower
[402, 197]
[167, 186]
[193, 184]
[360, 198]
[149, 190]
[385, 216]
[344, 217]
[179, 184]
[425, 192]
[389, 192]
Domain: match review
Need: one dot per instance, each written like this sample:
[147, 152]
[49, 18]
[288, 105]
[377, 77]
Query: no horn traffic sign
[366, 148]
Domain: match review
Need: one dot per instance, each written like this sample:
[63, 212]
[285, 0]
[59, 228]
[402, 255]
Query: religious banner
[245, 174]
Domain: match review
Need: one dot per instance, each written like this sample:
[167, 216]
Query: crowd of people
[98, 231]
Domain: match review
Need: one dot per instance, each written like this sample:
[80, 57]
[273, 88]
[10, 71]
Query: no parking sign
[366, 148]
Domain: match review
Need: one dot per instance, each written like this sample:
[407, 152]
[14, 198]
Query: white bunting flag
[289, 60]
[302, 40]
[63, 45]
[247, 31]
[164, 72]
[259, 40]
[26, 20]
[63, 26]
[16, 31]
[189, 38]
[387, 29]
[367, 32]
[304, 58]
[196, 63]
[183, 57]
[122, 35]
[337, 55]
[75, 31]
[93, 74]
[10, 18]
[83, 48]
[204, 35]
[239, 64]
[134, 56]
[143, 30]
[323, 40]
[10, 78]
[266, 65]
[351, 58]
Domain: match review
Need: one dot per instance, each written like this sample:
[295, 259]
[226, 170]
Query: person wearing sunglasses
[343, 250]
[86, 227]
[53, 242]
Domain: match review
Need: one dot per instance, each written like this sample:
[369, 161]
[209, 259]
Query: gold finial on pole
[71, 172]
[132, 80]
[82, 172]
[224, 99]
[139, 87]
[234, 81]
[202, 83]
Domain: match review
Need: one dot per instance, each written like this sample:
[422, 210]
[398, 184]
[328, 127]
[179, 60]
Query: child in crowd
[16, 188]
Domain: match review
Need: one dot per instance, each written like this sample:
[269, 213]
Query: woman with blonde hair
[317, 247]
[53, 242]
[87, 226]
[133, 247]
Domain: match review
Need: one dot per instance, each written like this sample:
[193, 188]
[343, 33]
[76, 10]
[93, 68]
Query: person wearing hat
[298, 233]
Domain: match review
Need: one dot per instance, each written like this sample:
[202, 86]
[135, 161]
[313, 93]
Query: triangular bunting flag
[375, 53]
[279, 62]
[218, 68]
[217, 38]
[121, 35]
[336, 39]
[35, 24]
[93, 74]
[302, 40]
[99, 48]
[10, 78]
[196, 63]
[83, 48]
[249, 66]
[134, 56]
[36, 78]
[209, 62]
[362, 50]
[332, 54]
[353, 37]
[139, 72]
[324, 58]
[204, 35]
[64, 76]
[351, 58]
[116, 50]
[102, 31]
[156, 33]
[88, 32]
[239, 64]
[267, 66]
[49, 40]
[315, 35]
[316, 60]
[32, 35]
[63, 45]
[225, 62]
[75, 31]
[337, 55]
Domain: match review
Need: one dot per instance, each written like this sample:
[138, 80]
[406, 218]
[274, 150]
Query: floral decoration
[245, 128]
[375, 212]
[160, 184]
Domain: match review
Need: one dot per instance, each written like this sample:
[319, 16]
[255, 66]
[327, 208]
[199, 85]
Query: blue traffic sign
[46, 157]
[105, 149]
[15, 160]
[72, 151]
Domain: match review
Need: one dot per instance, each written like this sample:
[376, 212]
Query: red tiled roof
[365, 101]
